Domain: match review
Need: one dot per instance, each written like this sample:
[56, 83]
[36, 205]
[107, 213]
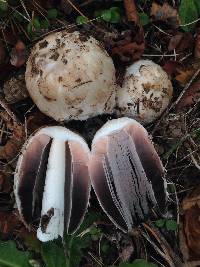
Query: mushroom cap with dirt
[70, 76]
[145, 93]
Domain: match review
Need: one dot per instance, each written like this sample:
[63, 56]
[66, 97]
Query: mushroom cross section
[126, 173]
[52, 182]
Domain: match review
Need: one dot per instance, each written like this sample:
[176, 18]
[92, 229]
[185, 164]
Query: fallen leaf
[191, 96]
[175, 41]
[131, 11]
[15, 141]
[128, 47]
[191, 223]
[165, 13]
[127, 52]
[184, 76]
[8, 223]
[197, 45]
[181, 42]
[18, 54]
[170, 67]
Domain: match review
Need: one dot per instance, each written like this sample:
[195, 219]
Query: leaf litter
[170, 38]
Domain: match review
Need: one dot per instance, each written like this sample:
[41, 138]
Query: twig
[8, 110]
[96, 259]
[160, 30]
[165, 246]
[2, 131]
[195, 162]
[192, 22]
[163, 255]
[70, 2]
[159, 55]
[14, 9]
[67, 27]
[26, 11]
[131, 11]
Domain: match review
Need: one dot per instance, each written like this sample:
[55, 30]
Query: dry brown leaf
[197, 46]
[8, 222]
[14, 143]
[184, 75]
[170, 67]
[191, 223]
[181, 42]
[131, 11]
[129, 47]
[191, 96]
[128, 52]
[165, 13]
[18, 54]
[175, 41]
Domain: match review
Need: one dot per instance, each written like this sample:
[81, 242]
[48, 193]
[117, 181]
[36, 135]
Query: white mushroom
[127, 173]
[70, 76]
[145, 93]
[52, 183]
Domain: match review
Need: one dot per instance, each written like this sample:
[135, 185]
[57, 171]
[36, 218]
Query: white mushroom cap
[145, 93]
[70, 76]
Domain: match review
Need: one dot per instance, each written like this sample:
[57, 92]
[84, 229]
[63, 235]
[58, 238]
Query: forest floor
[166, 32]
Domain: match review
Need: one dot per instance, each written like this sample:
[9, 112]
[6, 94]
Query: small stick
[8, 110]
[164, 244]
[70, 2]
[131, 11]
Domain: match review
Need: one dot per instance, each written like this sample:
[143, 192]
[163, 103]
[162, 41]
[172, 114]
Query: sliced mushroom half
[126, 173]
[52, 182]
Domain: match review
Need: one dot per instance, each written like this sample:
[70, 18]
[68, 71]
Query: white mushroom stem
[53, 197]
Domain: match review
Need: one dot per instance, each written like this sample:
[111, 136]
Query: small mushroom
[71, 76]
[126, 173]
[52, 182]
[145, 93]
